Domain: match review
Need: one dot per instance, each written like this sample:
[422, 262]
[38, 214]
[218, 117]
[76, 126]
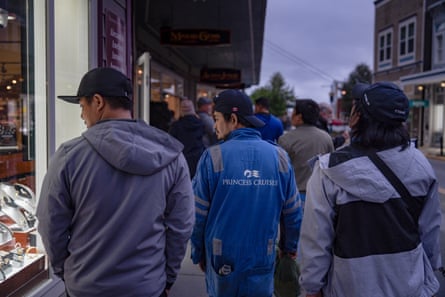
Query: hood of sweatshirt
[133, 146]
[361, 178]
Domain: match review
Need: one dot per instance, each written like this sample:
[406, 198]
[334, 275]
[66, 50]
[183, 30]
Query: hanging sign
[418, 103]
[220, 75]
[116, 50]
[194, 37]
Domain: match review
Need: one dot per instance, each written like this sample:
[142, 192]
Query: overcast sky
[313, 42]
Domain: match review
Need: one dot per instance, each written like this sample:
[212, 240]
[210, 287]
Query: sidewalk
[190, 281]
[433, 153]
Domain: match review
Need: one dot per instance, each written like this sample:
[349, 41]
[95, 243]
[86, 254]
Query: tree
[277, 92]
[361, 74]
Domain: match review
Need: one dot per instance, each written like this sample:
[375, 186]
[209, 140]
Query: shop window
[166, 91]
[20, 260]
[16, 96]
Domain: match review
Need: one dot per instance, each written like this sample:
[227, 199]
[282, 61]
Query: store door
[141, 94]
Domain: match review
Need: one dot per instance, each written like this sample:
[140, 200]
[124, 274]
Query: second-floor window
[407, 37]
[385, 49]
[438, 44]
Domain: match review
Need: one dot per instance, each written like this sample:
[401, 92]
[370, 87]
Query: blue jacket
[242, 188]
[273, 128]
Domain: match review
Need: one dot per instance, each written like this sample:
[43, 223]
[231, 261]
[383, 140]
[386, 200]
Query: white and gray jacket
[359, 238]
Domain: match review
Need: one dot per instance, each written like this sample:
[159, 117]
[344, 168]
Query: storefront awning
[424, 78]
[242, 23]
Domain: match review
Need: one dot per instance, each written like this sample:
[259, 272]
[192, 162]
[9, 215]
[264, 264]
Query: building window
[438, 44]
[385, 49]
[407, 39]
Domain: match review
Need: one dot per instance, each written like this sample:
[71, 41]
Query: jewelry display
[19, 257]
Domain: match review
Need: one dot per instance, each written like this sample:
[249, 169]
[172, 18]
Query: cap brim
[70, 99]
[359, 89]
[256, 122]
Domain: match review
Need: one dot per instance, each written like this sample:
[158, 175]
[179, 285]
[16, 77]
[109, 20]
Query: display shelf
[23, 278]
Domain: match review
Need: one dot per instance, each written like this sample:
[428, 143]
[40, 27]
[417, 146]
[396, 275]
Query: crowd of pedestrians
[120, 203]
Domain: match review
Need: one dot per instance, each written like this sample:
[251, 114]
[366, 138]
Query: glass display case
[22, 265]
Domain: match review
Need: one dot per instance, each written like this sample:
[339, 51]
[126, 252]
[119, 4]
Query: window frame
[438, 48]
[385, 48]
[407, 41]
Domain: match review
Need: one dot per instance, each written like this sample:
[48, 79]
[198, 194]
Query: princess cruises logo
[252, 178]
[251, 173]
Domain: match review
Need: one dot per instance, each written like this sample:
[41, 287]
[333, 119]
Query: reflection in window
[16, 95]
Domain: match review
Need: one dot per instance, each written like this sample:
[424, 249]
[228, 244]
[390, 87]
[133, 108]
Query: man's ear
[99, 101]
[233, 119]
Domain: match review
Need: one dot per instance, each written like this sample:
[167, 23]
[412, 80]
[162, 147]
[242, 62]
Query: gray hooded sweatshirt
[357, 238]
[116, 210]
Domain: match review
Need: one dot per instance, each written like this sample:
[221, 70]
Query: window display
[19, 255]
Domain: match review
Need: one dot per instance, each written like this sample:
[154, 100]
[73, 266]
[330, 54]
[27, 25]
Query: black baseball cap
[383, 101]
[263, 101]
[234, 101]
[105, 81]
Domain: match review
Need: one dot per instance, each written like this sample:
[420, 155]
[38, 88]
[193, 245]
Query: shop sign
[419, 103]
[220, 75]
[115, 39]
[237, 86]
[194, 37]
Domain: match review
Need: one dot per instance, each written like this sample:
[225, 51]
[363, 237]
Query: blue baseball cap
[234, 101]
[383, 101]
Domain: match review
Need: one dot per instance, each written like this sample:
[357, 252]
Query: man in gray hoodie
[116, 208]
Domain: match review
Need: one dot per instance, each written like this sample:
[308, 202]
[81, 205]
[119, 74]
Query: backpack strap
[390, 175]
[413, 204]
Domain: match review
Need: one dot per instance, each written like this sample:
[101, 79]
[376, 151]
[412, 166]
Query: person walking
[305, 142]
[325, 123]
[189, 130]
[273, 127]
[205, 106]
[243, 187]
[116, 207]
[371, 226]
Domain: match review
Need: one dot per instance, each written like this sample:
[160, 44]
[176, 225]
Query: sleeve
[429, 225]
[55, 212]
[291, 216]
[280, 128]
[179, 219]
[208, 125]
[317, 234]
[201, 188]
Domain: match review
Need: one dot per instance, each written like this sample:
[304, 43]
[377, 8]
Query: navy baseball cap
[383, 101]
[107, 82]
[234, 101]
[203, 101]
